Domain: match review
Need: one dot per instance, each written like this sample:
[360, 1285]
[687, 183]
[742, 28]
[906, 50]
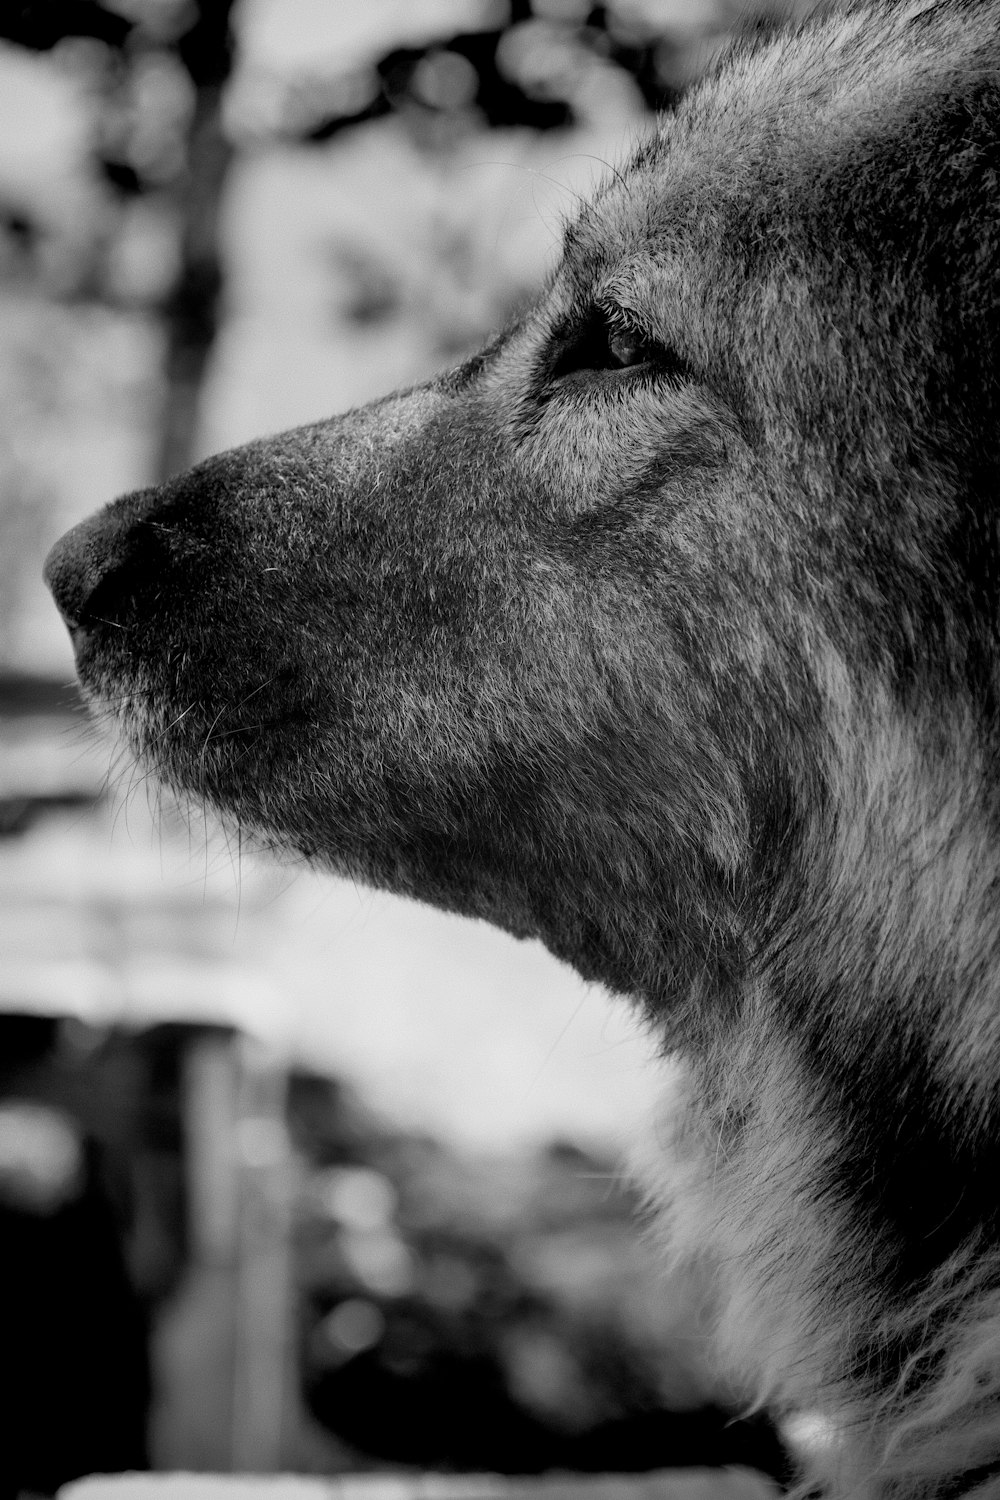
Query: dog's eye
[626, 347]
[608, 341]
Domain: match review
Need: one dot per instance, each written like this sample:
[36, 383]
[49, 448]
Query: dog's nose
[95, 570]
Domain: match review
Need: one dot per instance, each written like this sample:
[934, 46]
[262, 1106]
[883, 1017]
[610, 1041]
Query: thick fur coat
[666, 630]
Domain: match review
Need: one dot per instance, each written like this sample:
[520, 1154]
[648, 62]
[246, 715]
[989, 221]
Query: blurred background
[294, 1176]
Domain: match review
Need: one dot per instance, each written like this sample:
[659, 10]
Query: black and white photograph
[500, 750]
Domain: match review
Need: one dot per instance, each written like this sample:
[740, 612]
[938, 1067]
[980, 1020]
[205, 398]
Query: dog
[665, 630]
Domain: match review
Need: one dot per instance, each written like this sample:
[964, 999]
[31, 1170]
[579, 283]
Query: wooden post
[262, 1382]
[195, 1343]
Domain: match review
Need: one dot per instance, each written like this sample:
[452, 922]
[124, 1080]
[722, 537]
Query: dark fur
[689, 670]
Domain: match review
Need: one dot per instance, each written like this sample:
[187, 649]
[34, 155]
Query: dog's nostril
[109, 598]
[95, 570]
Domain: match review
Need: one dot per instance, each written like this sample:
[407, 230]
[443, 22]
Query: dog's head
[585, 636]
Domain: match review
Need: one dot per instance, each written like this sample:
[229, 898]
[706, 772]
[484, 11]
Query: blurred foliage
[138, 69]
[493, 1313]
[529, 62]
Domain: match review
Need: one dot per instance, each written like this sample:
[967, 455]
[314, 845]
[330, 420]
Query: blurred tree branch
[191, 308]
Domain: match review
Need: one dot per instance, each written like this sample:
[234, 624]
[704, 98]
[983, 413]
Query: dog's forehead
[794, 127]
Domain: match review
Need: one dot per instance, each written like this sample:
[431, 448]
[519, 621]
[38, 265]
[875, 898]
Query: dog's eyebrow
[623, 293]
[639, 286]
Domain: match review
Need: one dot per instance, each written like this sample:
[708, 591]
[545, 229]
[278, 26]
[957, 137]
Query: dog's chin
[333, 830]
